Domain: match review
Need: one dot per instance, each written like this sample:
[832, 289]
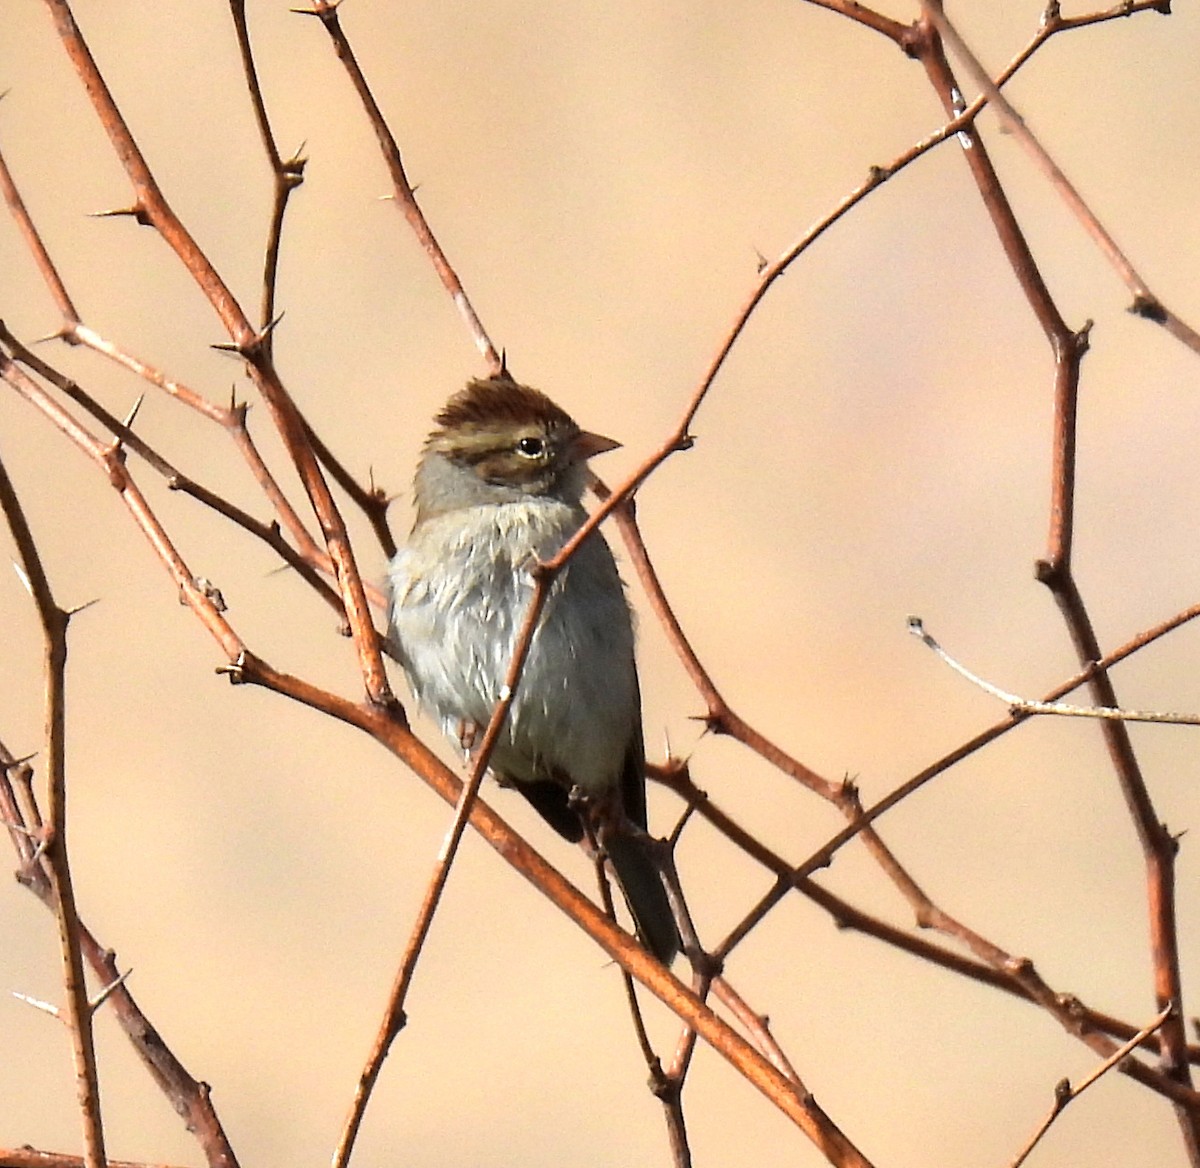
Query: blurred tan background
[604, 174]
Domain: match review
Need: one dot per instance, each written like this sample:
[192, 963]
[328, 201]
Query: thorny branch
[774, 1075]
[1056, 569]
[52, 842]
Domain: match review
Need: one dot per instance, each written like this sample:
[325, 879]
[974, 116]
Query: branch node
[209, 590]
[235, 670]
[292, 169]
[1048, 573]
[662, 1086]
[1018, 967]
[1074, 1009]
[1148, 306]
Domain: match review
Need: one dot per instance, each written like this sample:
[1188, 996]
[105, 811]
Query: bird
[499, 486]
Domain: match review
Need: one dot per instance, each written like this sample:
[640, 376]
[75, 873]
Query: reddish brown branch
[33, 240]
[189, 1097]
[232, 417]
[621, 947]
[287, 175]
[394, 1015]
[403, 193]
[152, 206]
[1145, 302]
[53, 833]
[868, 17]
[392, 732]
[32, 1158]
[1056, 571]
[268, 533]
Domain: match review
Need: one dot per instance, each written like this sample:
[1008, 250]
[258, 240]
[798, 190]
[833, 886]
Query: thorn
[37, 1004]
[250, 347]
[23, 577]
[238, 408]
[137, 211]
[293, 168]
[321, 8]
[99, 1000]
[504, 363]
[712, 723]
[80, 607]
[133, 413]
[760, 261]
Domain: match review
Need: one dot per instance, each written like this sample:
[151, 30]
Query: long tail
[642, 883]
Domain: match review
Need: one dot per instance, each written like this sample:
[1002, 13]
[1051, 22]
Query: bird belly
[456, 621]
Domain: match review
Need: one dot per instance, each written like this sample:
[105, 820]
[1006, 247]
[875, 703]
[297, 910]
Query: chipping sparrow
[499, 483]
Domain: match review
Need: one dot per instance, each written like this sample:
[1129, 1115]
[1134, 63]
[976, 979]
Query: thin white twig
[1022, 705]
[38, 1004]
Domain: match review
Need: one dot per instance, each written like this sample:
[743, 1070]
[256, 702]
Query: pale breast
[459, 593]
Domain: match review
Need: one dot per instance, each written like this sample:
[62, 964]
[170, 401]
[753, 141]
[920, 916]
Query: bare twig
[54, 621]
[288, 174]
[1065, 1093]
[34, 1158]
[1032, 706]
[405, 196]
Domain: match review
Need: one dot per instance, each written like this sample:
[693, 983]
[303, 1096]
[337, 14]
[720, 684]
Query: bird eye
[531, 447]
